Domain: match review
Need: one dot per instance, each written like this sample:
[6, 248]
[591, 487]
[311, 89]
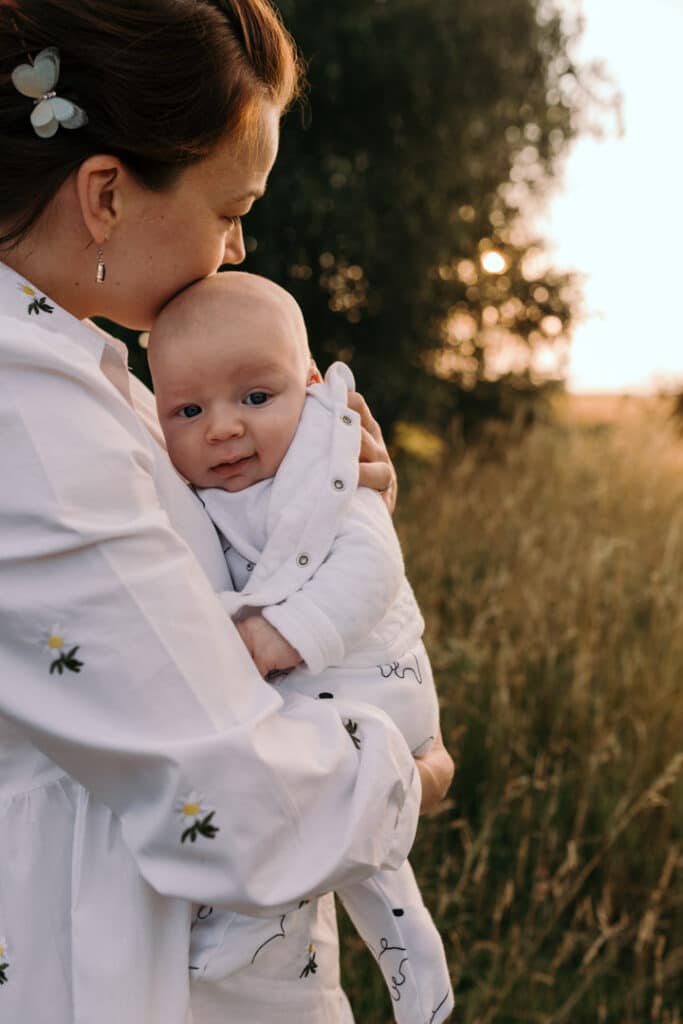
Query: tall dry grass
[550, 572]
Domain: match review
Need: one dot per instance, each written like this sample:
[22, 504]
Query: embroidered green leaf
[352, 729]
[40, 305]
[201, 827]
[67, 662]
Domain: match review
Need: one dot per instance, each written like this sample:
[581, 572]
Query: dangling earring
[101, 269]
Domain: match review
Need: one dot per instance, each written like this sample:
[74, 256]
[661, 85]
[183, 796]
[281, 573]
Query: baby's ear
[314, 376]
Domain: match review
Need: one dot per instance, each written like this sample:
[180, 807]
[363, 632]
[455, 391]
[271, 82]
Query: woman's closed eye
[256, 398]
[188, 412]
[233, 222]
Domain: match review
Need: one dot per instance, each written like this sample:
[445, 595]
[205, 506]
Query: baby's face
[230, 392]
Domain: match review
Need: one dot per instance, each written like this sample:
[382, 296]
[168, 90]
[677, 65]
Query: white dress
[144, 765]
[320, 558]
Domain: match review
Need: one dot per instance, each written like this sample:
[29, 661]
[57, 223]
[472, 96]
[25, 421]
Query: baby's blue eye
[190, 411]
[256, 398]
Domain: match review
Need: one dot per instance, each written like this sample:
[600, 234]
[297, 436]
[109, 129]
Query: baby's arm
[350, 592]
[269, 650]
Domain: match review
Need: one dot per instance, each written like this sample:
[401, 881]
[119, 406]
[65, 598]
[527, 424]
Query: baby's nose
[224, 427]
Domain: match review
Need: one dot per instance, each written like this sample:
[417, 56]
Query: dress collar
[21, 299]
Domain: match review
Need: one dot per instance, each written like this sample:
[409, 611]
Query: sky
[618, 218]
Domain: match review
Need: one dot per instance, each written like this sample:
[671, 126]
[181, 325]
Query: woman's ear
[314, 376]
[100, 184]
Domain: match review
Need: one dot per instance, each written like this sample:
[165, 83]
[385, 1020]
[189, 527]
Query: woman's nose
[234, 245]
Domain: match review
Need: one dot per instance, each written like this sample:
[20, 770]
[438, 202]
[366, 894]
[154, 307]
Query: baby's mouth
[231, 465]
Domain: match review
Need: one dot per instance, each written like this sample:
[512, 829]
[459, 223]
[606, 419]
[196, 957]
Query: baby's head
[230, 363]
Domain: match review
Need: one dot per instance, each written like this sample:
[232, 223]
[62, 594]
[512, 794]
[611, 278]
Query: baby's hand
[269, 649]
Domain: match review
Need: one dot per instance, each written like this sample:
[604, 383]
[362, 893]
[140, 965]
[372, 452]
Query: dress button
[302, 560]
[347, 420]
[338, 485]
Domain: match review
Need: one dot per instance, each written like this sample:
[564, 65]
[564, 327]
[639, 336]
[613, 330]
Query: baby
[321, 601]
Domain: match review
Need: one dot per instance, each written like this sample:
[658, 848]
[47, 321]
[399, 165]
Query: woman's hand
[376, 468]
[436, 770]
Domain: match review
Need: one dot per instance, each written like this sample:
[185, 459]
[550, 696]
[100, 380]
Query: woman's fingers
[380, 476]
[436, 770]
[376, 469]
[357, 402]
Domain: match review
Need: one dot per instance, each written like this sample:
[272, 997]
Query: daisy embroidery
[197, 818]
[39, 303]
[63, 656]
[311, 966]
[4, 966]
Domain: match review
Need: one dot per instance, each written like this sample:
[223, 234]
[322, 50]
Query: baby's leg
[403, 687]
[262, 971]
[391, 918]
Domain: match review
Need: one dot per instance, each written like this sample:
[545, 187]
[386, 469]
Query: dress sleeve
[116, 662]
[350, 592]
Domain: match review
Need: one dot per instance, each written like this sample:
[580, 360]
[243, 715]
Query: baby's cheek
[177, 450]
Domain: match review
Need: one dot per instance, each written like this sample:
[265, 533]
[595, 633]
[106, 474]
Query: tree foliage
[398, 210]
[428, 127]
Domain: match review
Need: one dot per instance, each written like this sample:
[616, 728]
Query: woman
[144, 763]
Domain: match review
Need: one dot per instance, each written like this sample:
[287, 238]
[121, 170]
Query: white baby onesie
[320, 559]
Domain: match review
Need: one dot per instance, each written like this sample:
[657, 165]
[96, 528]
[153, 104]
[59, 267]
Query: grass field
[550, 572]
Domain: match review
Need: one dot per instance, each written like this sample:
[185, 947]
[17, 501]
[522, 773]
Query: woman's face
[166, 240]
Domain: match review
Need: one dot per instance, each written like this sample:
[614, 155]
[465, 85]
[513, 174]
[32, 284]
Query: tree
[393, 214]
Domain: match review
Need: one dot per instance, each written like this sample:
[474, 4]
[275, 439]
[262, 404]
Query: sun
[494, 262]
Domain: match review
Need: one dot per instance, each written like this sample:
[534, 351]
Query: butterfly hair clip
[38, 81]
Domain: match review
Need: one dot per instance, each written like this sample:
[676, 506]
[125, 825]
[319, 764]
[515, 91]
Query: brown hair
[160, 80]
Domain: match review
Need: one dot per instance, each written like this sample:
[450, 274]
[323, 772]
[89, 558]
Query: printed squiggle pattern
[395, 668]
[396, 982]
[431, 1019]
[278, 935]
